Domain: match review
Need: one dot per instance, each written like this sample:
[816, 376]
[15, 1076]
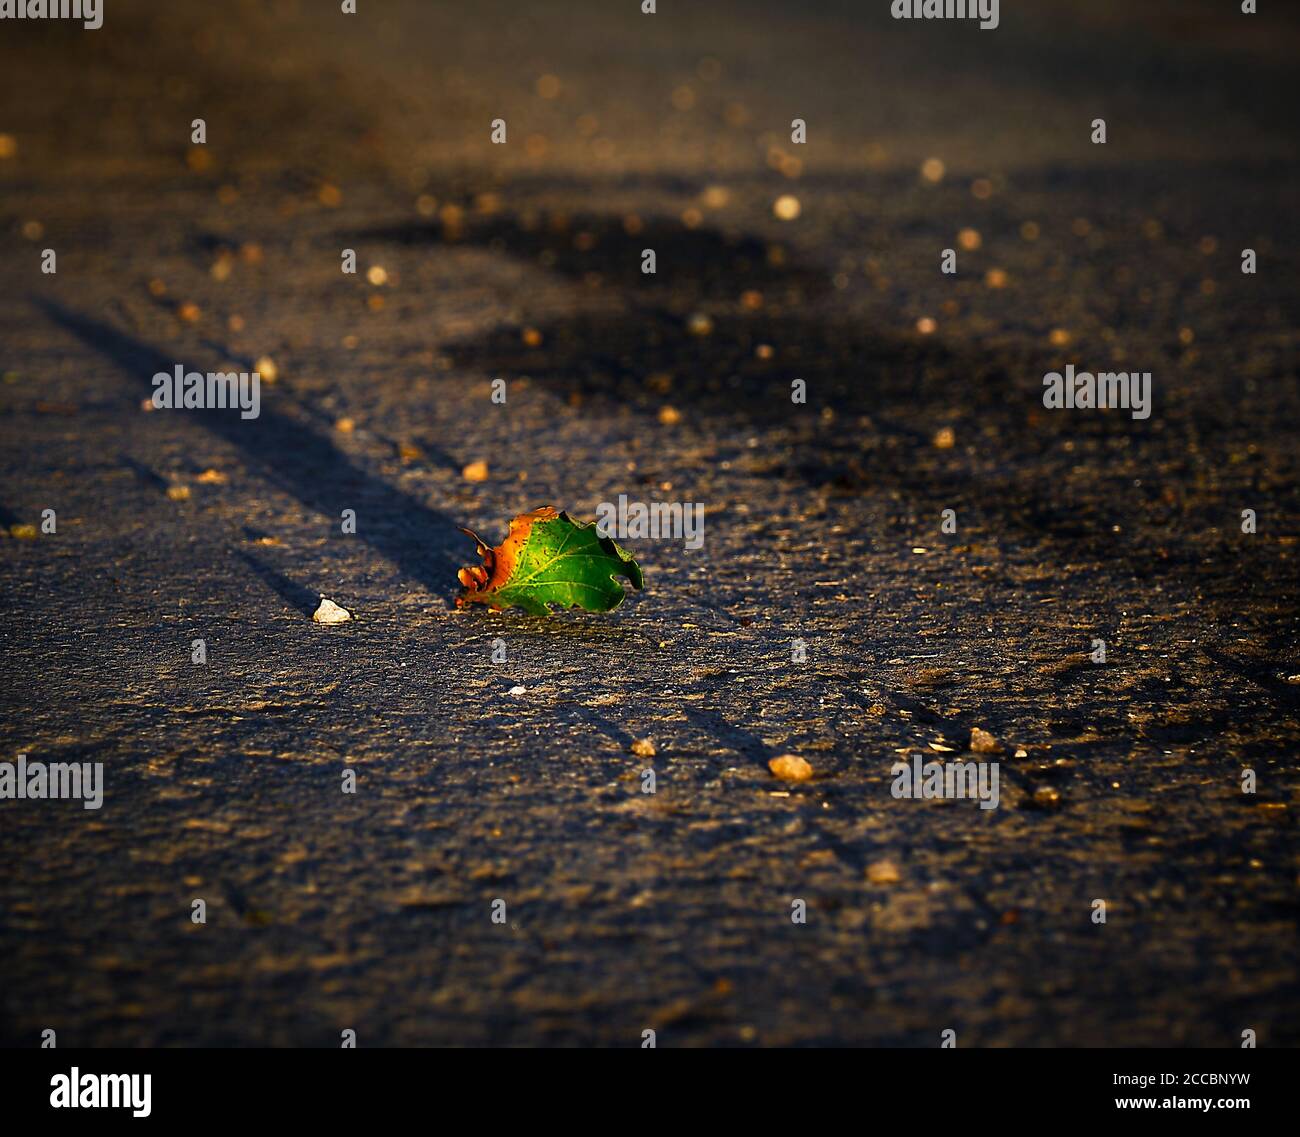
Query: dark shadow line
[418, 540]
[297, 596]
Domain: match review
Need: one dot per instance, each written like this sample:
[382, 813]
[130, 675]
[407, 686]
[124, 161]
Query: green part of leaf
[570, 565]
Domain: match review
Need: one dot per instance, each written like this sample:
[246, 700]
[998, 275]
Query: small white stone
[518, 690]
[330, 613]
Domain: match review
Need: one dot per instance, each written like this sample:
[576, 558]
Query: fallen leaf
[548, 558]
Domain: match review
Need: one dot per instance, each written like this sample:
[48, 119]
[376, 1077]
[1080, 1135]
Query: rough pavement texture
[671, 911]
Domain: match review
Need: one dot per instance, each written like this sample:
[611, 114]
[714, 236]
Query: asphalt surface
[671, 911]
